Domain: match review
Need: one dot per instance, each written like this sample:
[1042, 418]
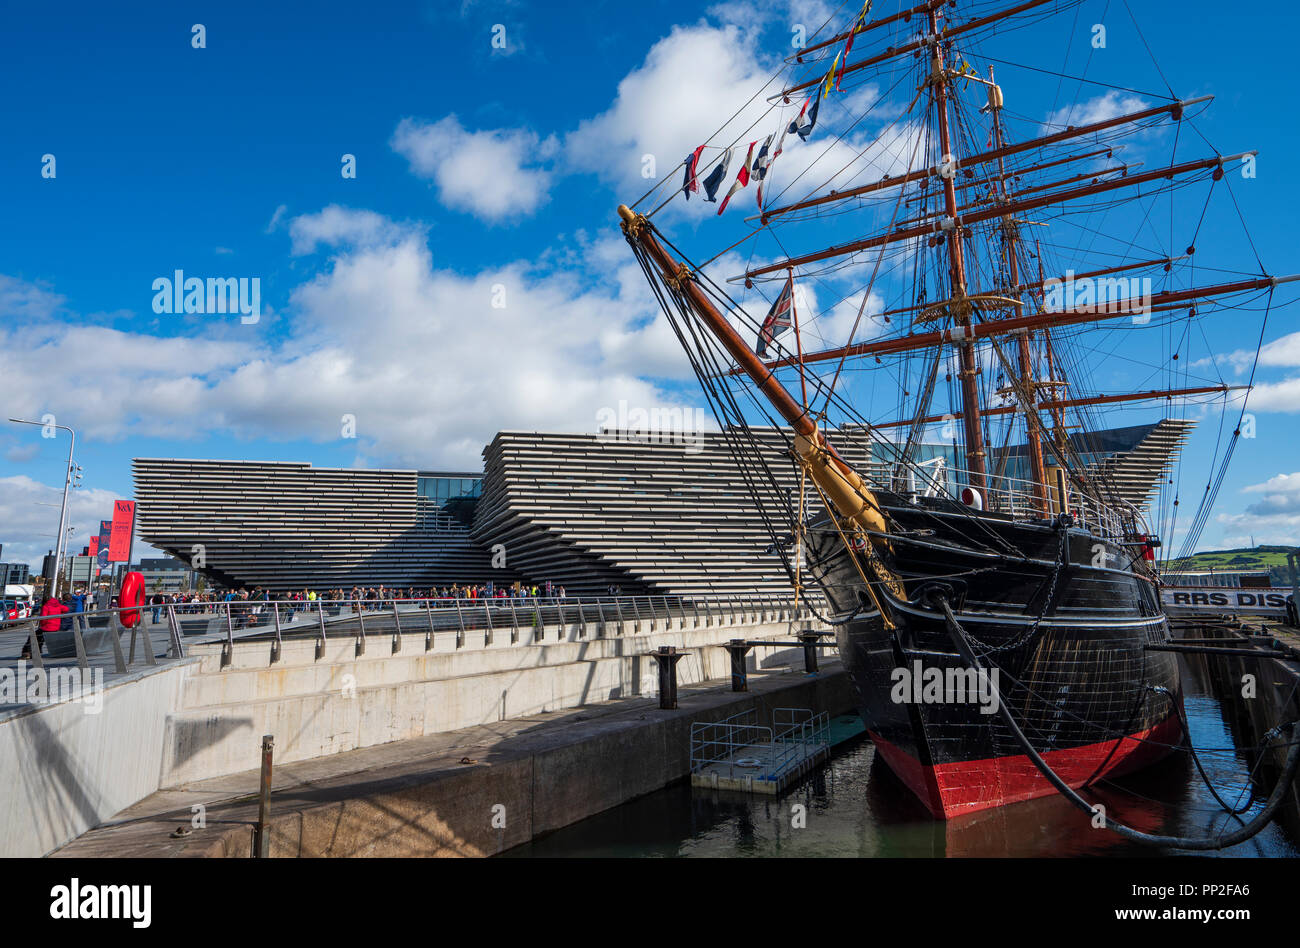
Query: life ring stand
[131, 599]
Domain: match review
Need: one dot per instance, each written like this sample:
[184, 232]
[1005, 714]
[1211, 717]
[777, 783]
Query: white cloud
[1273, 519]
[831, 328]
[1109, 105]
[111, 382]
[20, 300]
[29, 511]
[419, 355]
[810, 14]
[702, 75]
[1279, 485]
[1281, 352]
[434, 368]
[276, 218]
[336, 226]
[689, 80]
[1283, 396]
[490, 174]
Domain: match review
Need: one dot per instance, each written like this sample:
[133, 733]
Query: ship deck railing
[1012, 496]
[1225, 578]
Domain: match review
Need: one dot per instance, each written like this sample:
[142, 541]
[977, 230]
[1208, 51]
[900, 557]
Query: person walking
[51, 609]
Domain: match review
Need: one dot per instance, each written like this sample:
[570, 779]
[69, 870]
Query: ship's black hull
[1067, 618]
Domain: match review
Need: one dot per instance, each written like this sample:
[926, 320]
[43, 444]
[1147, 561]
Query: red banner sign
[119, 539]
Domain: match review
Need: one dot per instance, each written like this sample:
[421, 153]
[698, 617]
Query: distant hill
[1270, 559]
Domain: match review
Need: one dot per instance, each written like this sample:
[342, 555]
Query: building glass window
[446, 496]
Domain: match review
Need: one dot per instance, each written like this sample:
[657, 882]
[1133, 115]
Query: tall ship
[961, 266]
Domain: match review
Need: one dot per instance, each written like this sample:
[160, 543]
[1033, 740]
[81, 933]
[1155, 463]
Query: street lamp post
[63, 510]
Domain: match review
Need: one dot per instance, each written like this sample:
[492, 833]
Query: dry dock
[476, 791]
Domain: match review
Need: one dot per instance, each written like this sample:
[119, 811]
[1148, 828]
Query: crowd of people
[56, 612]
[201, 602]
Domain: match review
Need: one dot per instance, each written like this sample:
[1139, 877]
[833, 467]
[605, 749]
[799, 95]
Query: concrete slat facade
[585, 511]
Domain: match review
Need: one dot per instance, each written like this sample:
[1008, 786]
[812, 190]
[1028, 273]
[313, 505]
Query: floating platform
[738, 753]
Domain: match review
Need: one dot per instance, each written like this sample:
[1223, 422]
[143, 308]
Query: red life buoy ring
[131, 599]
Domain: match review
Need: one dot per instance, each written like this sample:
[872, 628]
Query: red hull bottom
[951, 789]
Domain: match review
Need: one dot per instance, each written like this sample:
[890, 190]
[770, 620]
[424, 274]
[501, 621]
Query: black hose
[1205, 778]
[1260, 820]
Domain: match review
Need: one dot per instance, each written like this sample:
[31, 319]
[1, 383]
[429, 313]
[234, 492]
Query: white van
[24, 595]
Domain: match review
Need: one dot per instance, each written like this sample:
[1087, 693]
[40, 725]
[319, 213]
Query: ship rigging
[985, 262]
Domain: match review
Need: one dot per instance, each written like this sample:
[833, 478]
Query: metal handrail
[793, 737]
[82, 623]
[1018, 498]
[279, 618]
[257, 620]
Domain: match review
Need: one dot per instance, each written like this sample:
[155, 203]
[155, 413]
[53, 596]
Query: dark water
[855, 807]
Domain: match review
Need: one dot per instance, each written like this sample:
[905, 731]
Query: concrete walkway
[473, 792]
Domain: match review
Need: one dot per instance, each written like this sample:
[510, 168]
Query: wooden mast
[1027, 396]
[930, 9]
[1058, 413]
[855, 29]
[960, 308]
[846, 490]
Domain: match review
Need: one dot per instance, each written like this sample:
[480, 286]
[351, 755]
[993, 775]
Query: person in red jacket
[53, 609]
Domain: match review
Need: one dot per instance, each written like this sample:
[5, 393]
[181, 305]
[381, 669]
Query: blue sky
[483, 171]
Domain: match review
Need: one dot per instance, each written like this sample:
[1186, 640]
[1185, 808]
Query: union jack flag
[778, 317]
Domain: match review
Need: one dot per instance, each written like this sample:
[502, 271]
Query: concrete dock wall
[68, 770]
[67, 767]
[1275, 699]
[340, 701]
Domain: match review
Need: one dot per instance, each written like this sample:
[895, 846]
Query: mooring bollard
[809, 640]
[261, 835]
[667, 656]
[738, 648]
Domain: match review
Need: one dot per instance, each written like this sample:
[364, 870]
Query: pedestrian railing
[498, 619]
[86, 634]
